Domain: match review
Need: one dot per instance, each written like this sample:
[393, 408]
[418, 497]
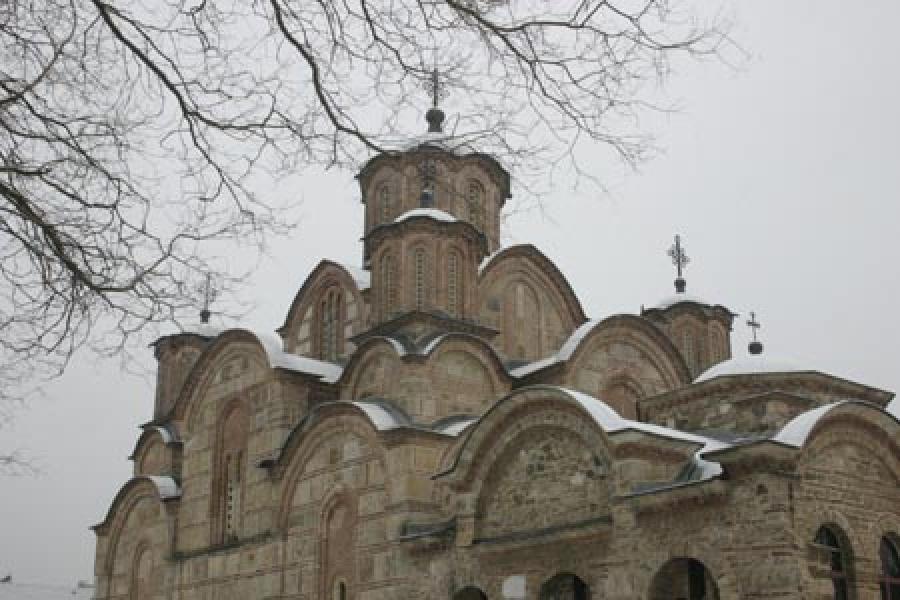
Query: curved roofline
[166, 488]
[532, 251]
[299, 297]
[797, 431]
[606, 418]
[402, 352]
[269, 346]
[165, 432]
[580, 337]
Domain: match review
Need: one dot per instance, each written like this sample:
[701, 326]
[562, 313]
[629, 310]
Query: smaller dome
[751, 365]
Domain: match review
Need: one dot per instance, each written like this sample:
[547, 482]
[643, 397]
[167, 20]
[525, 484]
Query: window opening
[419, 267]
[889, 579]
[836, 561]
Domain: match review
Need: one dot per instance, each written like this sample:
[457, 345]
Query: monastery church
[444, 422]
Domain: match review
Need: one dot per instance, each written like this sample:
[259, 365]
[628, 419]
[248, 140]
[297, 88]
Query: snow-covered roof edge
[431, 213]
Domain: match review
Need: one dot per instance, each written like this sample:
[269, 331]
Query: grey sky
[783, 178]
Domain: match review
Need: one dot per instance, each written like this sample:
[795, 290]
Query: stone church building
[445, 422]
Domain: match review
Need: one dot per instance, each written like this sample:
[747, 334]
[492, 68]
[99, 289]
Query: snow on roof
[487, 260]
[564, 353]
[431, 213]
[795, 432]
[893, 408]
[274, 347]
[382, 418]
[36, 591]
[750, 364]
[611, 422]
[362, 277]
[456, 427]
[166, 435]
[165, 485]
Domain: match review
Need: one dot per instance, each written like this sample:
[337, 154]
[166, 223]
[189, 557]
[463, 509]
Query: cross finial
[209, 294]
[680, 260]
[755, 347]
[435, 116]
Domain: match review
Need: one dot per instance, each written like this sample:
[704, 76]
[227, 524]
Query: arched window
[836, 560]
[685, 578]
[420, 272]
[687, 349]
[385, 202]
[388, 286]
[469, 593]
[454, 284]
[142, 575]
[340, 591]
[890, 569]
[475, 203]
[231, 467]
[565, 586]
[331, 311]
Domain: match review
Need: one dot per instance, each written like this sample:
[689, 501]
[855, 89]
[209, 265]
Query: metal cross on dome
[433, 86]
[210, 293]
[680, 260]
[679, 256]
[753, 324]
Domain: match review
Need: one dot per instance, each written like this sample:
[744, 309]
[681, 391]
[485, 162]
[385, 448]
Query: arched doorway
[469, 593]
[684, 579]
[565, 586]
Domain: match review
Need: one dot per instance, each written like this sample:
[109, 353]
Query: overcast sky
[783, 178]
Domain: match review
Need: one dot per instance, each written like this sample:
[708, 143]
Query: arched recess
[235, 361]
[230, 467]
[530, 443]
[135, 536]
[466, 374]
[338, 542]
[627, 358]
[525, 265]
[565, 586]
[372, 371]
[303, 324]
[684, 578]
[330, 472]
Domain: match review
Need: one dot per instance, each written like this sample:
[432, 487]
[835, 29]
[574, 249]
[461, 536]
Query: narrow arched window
[687, 348]
[419, 275]
[228, 488]
[889, 578]
[836, 559]
[388, 286]
[385, 202]
[453, 284]
[330, 324]
[475, 203]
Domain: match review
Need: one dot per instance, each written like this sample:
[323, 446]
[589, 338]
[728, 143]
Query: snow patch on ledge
[165, 486]
[795, 432]
[380, 417]
[431, 213]
[893, 408]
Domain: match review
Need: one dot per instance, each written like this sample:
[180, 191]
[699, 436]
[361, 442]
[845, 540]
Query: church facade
[445, 422]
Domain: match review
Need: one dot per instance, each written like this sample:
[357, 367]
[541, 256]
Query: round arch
[565, 586]
[683, 578]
